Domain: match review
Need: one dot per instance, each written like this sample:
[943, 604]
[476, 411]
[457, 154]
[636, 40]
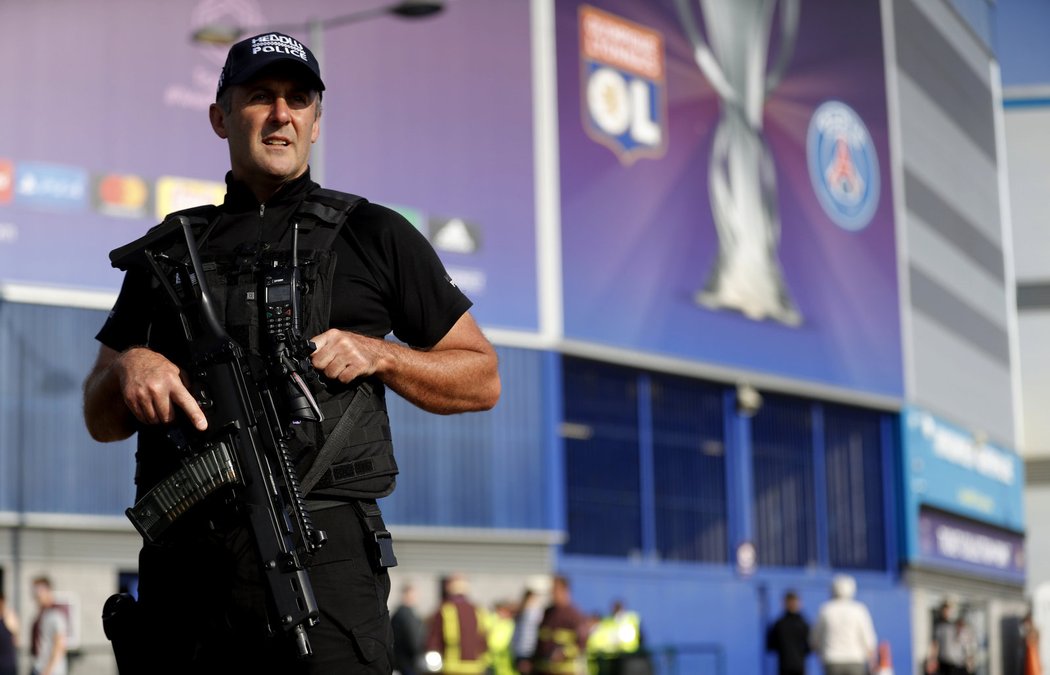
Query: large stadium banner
[107, 130]
[725, 185]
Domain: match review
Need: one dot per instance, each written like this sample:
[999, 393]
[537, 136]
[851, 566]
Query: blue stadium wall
[656, 479]
[668, 484]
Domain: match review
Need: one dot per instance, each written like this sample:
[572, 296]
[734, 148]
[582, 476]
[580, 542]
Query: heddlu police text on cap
[278, 44]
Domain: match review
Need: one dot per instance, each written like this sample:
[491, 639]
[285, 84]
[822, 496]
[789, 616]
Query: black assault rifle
[245, 444]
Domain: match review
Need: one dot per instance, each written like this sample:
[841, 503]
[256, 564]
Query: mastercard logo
[122, 195]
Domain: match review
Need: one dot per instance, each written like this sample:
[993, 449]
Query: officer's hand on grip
[153, 388]
[345, 356]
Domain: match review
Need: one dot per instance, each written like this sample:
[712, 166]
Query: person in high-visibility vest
[626, 628]
[500, 635]
[614, 636]
[562, 635]
[456, 640]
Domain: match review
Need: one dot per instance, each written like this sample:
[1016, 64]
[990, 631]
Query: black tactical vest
[358, 463]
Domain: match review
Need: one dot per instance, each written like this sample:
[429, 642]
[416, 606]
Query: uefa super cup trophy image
[747, 276]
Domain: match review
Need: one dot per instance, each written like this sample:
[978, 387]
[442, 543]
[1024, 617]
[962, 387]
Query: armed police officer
[367, 273]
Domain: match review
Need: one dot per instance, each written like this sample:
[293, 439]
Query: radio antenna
[295, 244]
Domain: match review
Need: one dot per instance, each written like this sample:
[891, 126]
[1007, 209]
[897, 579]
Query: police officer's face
[271, 124]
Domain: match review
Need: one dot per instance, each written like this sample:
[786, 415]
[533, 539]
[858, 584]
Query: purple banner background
[639, 240]
[411, 119]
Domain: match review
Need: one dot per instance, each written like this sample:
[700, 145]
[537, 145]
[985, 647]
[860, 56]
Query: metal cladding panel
[49, 462]
[1027, 147]
[956, 299]
[477, 469]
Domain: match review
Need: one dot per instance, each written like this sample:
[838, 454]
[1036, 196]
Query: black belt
[380, 544]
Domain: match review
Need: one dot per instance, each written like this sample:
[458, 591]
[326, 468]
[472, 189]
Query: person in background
[409, 633]
[627, 628]
[1030, 634]
[953, 649]
[614, 640]
[50, 629]
[8, 638]
[562, 635]
[500, 636]
[844, 635]
[788, 637]
[526, 626]
[457, 632]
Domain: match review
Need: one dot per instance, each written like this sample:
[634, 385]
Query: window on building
[689, 470]
[646, 472]
[784, 505]
[600, 429]
[853, 461]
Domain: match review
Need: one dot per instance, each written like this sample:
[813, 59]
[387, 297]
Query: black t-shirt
[388, 279]
[789, 638]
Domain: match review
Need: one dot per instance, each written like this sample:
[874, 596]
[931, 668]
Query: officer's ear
[315, 130]
[218, 120]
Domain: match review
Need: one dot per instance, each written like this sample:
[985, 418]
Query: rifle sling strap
[336, 440]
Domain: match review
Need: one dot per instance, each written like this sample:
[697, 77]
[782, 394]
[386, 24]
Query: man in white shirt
[50, 628]
[844, 635]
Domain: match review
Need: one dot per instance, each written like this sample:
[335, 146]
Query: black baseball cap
[249, 57]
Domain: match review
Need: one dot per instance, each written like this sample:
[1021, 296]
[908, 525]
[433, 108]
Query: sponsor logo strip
[51, 186]
[175, 194]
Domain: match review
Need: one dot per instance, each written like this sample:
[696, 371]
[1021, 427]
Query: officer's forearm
[444, 382]
[105, 413]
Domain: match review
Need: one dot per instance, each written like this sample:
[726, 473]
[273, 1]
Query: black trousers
[202, 606]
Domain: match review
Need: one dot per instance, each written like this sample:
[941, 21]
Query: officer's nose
[280, 112]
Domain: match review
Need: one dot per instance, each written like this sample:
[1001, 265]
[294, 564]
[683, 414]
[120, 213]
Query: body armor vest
[360, 464]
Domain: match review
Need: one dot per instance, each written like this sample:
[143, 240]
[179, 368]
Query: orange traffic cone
[885, 666]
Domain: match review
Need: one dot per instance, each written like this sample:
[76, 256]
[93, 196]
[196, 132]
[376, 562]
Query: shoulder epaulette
[322, 213]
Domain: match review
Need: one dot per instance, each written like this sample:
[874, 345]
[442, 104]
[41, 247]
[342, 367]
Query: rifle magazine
[202, 475]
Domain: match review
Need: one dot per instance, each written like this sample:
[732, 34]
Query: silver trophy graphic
[747, 276]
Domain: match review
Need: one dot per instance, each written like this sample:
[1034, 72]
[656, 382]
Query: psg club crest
[623, 85]
[843, 166]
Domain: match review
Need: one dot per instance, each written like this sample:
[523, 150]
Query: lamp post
[226, 34]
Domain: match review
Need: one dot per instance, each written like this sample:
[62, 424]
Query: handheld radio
[290, 351]
[282, 298]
